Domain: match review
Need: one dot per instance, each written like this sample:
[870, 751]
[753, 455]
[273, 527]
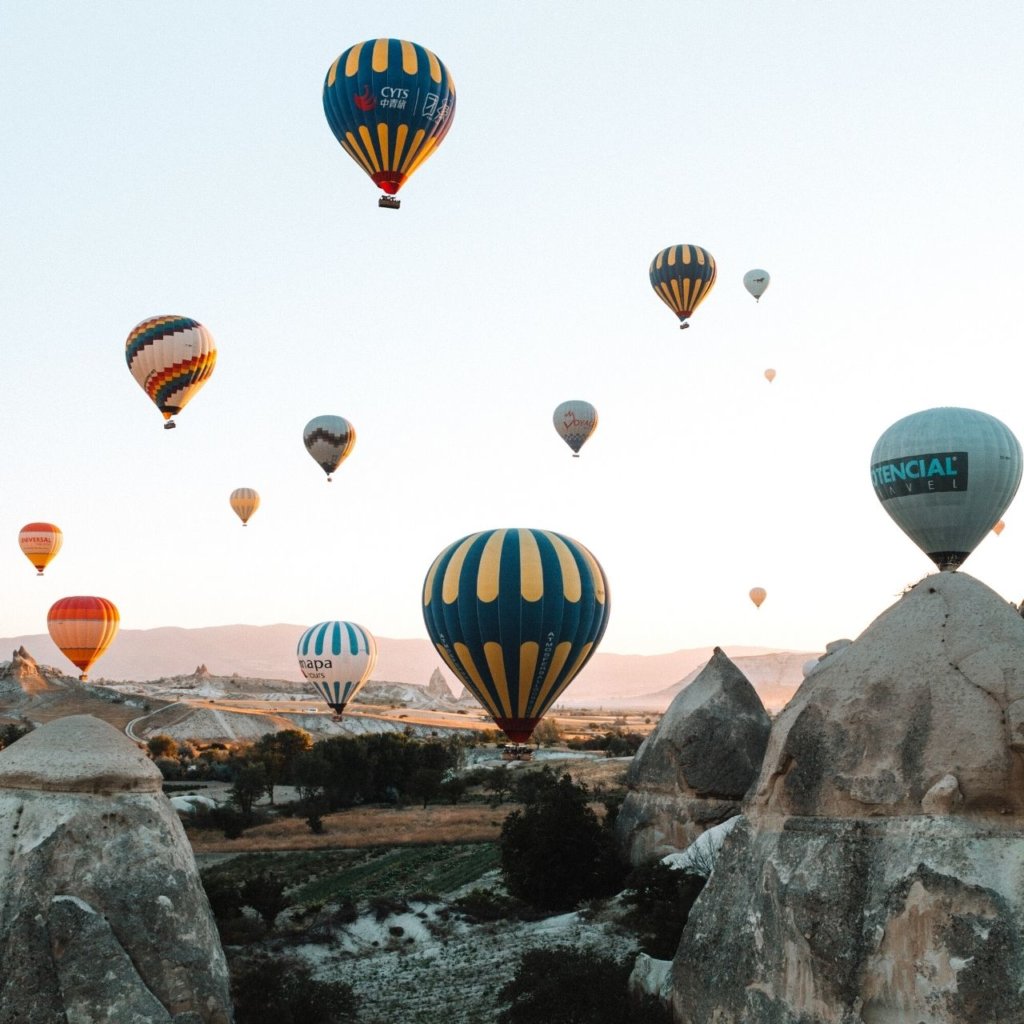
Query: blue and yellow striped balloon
[337, 658]
[390, 103]
[682, 276]
[516, 614]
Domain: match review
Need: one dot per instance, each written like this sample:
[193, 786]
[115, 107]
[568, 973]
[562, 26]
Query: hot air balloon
[83, 628]
[390, 103]
[575, 422]
[946, 476]
[999, 527]
[682, 276]
[171, 358]
[40, 543]
[330, 440]
[244, 501]
[756, 282]
[769, 375]
[516, 614]
[337, 658]
[757, 595]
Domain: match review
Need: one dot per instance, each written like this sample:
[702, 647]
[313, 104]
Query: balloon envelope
[40, 543]
[83, 628]
[999, 527]
[516, 613]
[171, 358]
[244, 501]
[756, 282]
[337, 658]
[946, 476]
[329, 440]
[757, 595]
[390, 103]
[575, 422]
[769, 375]
[682, 276]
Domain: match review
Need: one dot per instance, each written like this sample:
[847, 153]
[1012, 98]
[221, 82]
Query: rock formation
[22, 673]
[102, 914]
[695, 767]
[876, 877]
[437, 687]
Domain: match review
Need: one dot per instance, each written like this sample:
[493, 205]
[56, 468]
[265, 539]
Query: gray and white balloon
[946, 476]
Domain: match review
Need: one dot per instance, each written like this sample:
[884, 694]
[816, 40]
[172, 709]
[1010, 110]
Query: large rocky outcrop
[22, 673]
[697, 764]
[878, 874]
[102, 914]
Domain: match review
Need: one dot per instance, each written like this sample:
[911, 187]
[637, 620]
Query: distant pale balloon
[83, 628]
[329, 440]
[757, 595]
[244, 501]
[999, 527]
[337, 658]
[769, 375]
[575, 422]
[946, 476]
[40, 543]
[756, 282]
[171, 358]
[682, 276]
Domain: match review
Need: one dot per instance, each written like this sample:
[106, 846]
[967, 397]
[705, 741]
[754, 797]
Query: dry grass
[365, 826]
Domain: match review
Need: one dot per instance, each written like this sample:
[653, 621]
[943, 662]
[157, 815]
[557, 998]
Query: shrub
[282, 990]
[485, 905]
[565, 985]
[265, 894]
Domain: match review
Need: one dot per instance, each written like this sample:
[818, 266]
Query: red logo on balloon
[365, 100]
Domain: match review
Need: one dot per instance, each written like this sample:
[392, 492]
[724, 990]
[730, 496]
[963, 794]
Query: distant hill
[268, 653]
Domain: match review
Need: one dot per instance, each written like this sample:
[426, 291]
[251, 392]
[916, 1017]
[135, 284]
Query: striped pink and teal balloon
[337, 658]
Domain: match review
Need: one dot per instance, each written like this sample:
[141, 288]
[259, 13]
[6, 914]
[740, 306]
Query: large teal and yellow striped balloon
[516, 614]
[390, 103]
[682, 276]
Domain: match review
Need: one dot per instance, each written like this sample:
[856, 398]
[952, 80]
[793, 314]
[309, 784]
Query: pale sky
[173, 157]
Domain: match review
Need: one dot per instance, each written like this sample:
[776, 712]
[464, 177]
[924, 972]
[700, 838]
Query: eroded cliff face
[103, 917]
[878, 874]
[695, 767]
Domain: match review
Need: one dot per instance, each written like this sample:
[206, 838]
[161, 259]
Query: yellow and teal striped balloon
[390, 103]
[516, 613]
[682, 276]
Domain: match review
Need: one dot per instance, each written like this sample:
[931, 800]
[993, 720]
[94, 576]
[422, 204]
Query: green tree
[265, 894]
[660, 900]
[499, 782]
[556, 853]
[282, 990]
[162, 745]
[11, 733]
[278, 753]
[547, 733]
[425, 784]
[250, 784]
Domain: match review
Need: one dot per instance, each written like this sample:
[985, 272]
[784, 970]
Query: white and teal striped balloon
[337, 658]
[946, 476]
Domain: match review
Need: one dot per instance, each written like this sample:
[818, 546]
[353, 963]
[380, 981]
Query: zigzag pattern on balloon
[153, 330]
[161, 386]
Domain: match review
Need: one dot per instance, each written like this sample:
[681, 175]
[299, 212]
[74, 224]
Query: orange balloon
[757, 595]
[769, 375]
[40, 543]
[83, 628]
[999, 527]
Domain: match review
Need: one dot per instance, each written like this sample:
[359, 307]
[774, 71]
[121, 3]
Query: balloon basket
[170, 425]
[389, 202]
[516, 752]
[683, 326]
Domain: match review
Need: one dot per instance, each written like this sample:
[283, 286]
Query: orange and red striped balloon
[40, 543]
[83, 628]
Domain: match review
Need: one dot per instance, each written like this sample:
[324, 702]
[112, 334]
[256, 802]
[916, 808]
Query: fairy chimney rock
[697, 764]
[104, 917]
[875, 873]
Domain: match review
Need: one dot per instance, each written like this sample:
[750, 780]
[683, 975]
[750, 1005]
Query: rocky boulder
[876, 876]
[22, 673]
[102, 917]
[696, 766]
[438, 689]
